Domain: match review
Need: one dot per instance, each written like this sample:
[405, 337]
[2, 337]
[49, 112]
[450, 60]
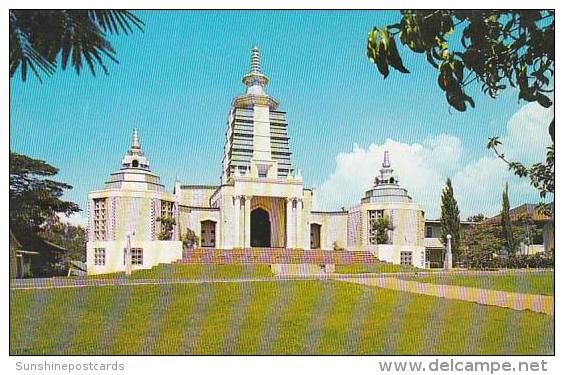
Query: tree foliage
[39, 38]
[506, 225]
[481, 245]
[382, 225]
[450, 219]
[34, 197]
[69, 236]
[167, 227]
[190, 239]
[497, 48]
[541, 175]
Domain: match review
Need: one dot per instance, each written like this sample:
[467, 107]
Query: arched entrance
[315, 236]
[207, 233]
[260, 228]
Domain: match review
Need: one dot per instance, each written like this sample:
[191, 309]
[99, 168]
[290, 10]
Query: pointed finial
[386, 163]
[255, 80]
[135, 139]
[255, 60]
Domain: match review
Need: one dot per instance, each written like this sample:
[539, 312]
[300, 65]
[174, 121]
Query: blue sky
[176, 80]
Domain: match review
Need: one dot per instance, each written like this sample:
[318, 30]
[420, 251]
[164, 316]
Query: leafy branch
[541, 175]
[39, 38]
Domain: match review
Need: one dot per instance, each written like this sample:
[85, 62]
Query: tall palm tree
[39, 37]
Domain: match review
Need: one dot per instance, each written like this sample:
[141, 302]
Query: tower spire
[135, 156]
[255, 61]
[255, 80]
[386, 172]
[386, 163]
[135, 139]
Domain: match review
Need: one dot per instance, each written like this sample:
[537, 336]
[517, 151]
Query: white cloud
[423, 168]
[527, 134]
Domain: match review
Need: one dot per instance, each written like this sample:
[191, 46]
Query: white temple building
[261, 201]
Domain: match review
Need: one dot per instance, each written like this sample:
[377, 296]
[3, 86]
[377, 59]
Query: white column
[289, 216]
[237, 221]
[248, 220]
[299, 228]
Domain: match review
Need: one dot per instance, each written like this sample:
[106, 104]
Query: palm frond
[114, 21]
[23, 54]
[39, 37]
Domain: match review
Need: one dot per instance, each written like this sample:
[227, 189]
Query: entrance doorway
[315, 234]
[260, 228]
[208, 233]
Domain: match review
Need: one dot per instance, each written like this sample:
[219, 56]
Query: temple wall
[333, 228]
[192, 218]
[154, 253]
[196, 196]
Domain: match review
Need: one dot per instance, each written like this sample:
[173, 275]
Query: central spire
[255, 60]
[135, 157]
[255, 80]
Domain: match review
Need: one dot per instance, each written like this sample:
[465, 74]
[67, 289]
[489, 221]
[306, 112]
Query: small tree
[190, 239]
[509, 242]
[167, 227]
[481, 244]
[382, 225]
[450, 219]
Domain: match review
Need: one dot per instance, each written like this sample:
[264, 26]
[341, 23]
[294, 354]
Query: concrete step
[276, 255]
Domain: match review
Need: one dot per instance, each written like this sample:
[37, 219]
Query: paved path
[79, 283]
[516, 301]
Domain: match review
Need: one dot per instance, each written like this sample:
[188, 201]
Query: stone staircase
[276, 256]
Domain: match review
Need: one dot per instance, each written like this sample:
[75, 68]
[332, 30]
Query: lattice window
[99, 256]
[136, 256]
[100, 219]
[373, 216]
[406, 258]
[167, 209]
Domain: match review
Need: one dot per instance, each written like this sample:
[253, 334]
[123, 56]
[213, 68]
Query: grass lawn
[194, 271]
[374, 268]
[283, 317]
[524, 282]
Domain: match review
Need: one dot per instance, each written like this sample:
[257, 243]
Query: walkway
[516, 301]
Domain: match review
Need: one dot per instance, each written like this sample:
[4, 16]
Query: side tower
[133, 204]
[257, 141]
[387, 222]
